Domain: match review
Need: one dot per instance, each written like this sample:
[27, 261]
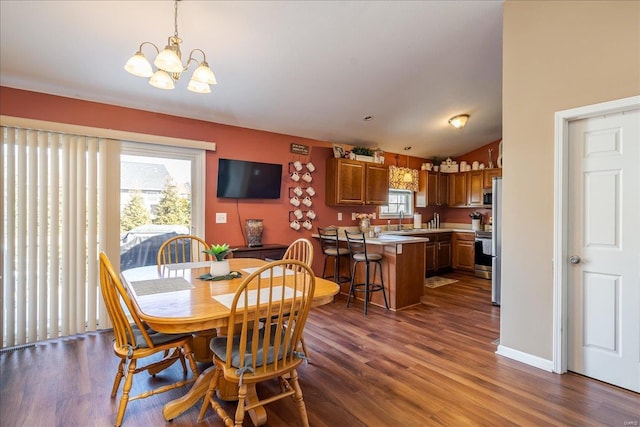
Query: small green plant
[219, 251]
[362, 151]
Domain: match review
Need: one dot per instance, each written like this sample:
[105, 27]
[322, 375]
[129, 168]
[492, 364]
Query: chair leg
[297, 397]
[242, 395]
[118, 378]
[352, 289]
[124, 400]
[209, 395]
[366, 286]
[324, 267]
[384, 294]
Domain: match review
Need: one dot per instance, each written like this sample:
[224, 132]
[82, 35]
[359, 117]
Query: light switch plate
[353, 216]
[339, 216]
[221, 217]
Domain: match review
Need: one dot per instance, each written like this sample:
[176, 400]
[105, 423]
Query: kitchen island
[403, 269]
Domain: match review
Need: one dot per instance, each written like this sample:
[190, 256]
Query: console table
[271, 251]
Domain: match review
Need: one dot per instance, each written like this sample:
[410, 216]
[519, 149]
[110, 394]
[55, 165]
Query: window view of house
[155, 204]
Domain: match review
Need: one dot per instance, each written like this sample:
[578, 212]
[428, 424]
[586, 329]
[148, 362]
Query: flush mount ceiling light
[459, 121]
[169, 64]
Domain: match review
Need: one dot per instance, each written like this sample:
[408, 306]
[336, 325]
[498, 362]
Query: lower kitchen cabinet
[438, 253]
[464, 251]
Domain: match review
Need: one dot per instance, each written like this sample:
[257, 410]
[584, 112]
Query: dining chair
[300, 250]
[137, 341]
[248, 354]
[182, 249]
[357, 244]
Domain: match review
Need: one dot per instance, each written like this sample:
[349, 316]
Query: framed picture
[338, 151]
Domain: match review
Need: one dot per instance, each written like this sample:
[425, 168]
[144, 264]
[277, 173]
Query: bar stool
[331, 248]
[358, 249]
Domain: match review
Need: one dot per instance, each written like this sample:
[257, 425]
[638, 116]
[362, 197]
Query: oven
[483, 254]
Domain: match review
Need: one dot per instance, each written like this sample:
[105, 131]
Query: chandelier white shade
[169, 65]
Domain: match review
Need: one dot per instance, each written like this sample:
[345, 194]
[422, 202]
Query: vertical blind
[53, 226]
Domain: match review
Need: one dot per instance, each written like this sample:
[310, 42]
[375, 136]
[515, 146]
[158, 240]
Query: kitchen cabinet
[458, 189]
[464, 251]
[376, 184]
[489, 174]
[351, 182]
[433, 189]
[475, 182]
[438, 253]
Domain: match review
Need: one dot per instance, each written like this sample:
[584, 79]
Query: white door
[604, 248]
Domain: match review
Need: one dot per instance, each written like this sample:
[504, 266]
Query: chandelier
[169, 64]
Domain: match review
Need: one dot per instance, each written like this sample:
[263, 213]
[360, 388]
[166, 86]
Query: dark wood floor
[434, 364]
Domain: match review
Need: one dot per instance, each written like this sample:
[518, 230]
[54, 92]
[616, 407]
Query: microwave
[487, 198]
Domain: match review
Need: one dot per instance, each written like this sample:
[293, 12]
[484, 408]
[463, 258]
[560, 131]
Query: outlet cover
[339, 216]
[353, 215]
[221, 217]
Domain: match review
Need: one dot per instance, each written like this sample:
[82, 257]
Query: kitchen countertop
[387, 239]
[406, 235]
[412, 231]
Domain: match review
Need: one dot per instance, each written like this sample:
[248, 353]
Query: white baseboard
[527, 358]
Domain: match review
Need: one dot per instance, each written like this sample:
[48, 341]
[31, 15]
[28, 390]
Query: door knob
[575, 259]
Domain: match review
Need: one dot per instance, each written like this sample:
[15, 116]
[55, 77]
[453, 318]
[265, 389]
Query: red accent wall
[231, 142]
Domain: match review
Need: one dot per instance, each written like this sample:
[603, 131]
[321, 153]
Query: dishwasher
[483, 254]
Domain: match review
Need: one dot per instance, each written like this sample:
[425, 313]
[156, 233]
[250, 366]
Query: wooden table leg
[178, 406]
[196, 392]
[258, 414]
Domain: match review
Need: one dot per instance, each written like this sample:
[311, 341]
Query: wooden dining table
[172, 299]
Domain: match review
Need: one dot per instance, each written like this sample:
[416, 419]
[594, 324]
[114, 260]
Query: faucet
[400, 222]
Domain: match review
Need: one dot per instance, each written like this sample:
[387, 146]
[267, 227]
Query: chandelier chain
[175, 18]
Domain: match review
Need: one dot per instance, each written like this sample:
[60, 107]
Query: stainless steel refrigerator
[496, 241]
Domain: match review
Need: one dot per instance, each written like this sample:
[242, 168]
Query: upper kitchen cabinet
[351, 182]
[376, 184]
[489, 174]
[466, 188]
[475, 181]
[458, 189]
[433, 189]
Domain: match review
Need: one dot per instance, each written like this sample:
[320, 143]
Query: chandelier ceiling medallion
[169, 65]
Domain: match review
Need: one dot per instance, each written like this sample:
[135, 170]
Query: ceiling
[312, 69]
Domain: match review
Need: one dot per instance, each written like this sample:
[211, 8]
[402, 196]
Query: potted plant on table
[220, 265]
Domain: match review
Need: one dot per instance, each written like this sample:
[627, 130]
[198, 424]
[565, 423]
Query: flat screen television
[240, 179]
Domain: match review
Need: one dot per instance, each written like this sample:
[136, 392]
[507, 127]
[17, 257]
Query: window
[161, 196]
[399, 201]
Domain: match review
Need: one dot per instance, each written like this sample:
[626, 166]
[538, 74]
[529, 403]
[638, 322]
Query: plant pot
[362, 158]
[220, 268]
